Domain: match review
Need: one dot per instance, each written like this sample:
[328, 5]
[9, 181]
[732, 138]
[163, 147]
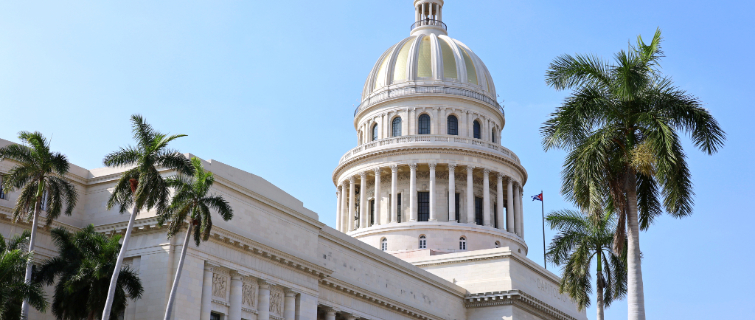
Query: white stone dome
[430, 58]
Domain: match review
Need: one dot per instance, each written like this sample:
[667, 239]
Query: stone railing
[407, 91]
[451, 140]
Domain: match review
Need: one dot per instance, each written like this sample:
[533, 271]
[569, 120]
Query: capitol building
[429, 213]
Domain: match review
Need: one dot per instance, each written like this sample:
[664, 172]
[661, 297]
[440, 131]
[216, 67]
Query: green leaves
[13, 290]
[191, 202]
[85, 262]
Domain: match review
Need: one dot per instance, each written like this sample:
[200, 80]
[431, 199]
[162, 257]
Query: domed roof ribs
[392, 63]
[370, 83]
[437, 59]
[413, 58]
[460, 65]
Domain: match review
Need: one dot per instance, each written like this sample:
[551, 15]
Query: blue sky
[270, 86]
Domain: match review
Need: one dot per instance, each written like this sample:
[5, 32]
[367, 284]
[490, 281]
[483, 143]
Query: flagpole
[542, 202]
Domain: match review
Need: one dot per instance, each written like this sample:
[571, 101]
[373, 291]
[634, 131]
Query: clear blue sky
[269, 87]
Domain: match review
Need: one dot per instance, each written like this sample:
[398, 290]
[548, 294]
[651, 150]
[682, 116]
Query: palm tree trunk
[117, 270]
[600, 300]
[30, 263]
[173, 290]
[635, 290]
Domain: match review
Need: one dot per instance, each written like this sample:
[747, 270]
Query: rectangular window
[423, 206]
[457, 207]
[478, 210]
[398, 207]
[215, 316]
[372, 212]
[2, 192]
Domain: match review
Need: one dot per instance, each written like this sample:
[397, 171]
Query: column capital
[377, 171]
[394, 167]
[451, 166]
[263, 284]
[352, 179]
[363, 174]
[486, 171]
[500, 176]
[236, 276]
[289, 292]
[413, 166]
[470, 168]
[432, 165]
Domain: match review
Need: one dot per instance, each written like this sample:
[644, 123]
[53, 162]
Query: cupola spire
[428, 17]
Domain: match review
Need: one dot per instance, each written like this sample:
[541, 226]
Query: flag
[538, 197]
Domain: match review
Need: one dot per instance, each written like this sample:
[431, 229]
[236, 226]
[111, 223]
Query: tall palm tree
[621, 127]
[142, 187]
[13, 288]
[84, 265]
[40, 174]
[582, 239]
[191, 203]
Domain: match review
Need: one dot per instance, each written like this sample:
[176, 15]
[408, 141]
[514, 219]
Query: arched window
[424, 124]
[374, 132]
[492, 135]
[477, 134]
[396, 127]
[422, 242]
[384, 244]
[497, 244]
[462, 244]
[453, 125]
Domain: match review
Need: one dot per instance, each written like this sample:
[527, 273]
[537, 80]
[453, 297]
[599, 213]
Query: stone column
[499, 201]
[451, 193]
[363, 207]
[394, 193]
[352, 214]
[338, 208]
[289, 305]
[520, 209]
[206, 292]
[330, 313]
[344, 210]
[510, 216]
[486, 214]
[377, 196]
[413, 192]
[433, 214]
[234, 310]
[263, 302]
[351, 317]
[470, 195]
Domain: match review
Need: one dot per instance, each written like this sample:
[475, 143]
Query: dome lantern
[428, 17]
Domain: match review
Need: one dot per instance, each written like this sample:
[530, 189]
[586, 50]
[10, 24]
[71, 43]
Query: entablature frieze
[373, 298]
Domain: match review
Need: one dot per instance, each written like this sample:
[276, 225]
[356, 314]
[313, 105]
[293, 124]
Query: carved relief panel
[220, 284]
[276, 301]
[249, 293]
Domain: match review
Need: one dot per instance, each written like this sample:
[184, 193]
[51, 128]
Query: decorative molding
[276, 301]
[376, 299]
[517, 298]
[249, 291]
[219, 285]
[412, 89]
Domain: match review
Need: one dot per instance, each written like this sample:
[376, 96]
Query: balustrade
[430, 138]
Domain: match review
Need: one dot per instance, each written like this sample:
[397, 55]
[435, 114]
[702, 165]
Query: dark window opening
[372, 212]
[492, 135]
[214, 316]
[374, 132]
[478, 210]
[398, 206]
[423, 208]
[477, 133]
[453, 125]
[424, 124]
[495, 215]
[396, 127]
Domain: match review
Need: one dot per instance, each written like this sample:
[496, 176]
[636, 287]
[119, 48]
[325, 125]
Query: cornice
[393, 262]
[377, 299]
[517, 298]
[417, 149]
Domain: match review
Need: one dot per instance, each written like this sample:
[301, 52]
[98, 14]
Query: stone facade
[465, 259]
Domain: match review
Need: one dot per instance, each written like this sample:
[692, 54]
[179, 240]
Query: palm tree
[192, 201]
[84, 265]
[580, 240]
[13, 288]
[40, 174]
[142, 187]
[620, 127]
